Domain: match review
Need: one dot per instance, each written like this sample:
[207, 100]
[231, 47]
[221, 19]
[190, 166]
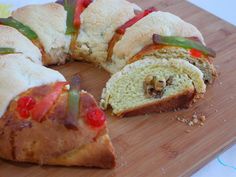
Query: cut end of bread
[52, 141]
[180, 101]
[125, 90]
[204, 63]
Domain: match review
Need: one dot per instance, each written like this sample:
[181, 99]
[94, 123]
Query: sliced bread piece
[203, 62]
[44, 120]
[51, 141]
[152, 85]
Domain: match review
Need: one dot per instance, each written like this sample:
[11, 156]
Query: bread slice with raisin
[46, 120]
[203, 62]
[152, 85]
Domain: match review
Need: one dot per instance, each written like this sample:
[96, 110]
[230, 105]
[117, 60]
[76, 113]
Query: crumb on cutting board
[193, 121]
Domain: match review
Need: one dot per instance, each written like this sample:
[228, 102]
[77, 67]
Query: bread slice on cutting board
[151, 85]
[36, 129]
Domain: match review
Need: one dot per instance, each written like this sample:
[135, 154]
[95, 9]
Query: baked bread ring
[159, 62]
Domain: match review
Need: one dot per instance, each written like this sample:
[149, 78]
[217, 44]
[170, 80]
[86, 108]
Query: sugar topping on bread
[10, 37]
[18, 74]
[49, 22]
[140, 34]
[99, 24]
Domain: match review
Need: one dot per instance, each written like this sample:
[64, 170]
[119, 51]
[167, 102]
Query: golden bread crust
[175, 102]
[97, 154]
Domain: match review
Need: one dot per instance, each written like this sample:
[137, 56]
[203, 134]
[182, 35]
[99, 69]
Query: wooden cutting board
[158, 145]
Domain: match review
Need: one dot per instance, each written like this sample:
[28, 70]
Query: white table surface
[225, 164]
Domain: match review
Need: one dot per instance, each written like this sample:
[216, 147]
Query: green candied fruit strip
[183, 42]
[70, 19]
[73, 104]
[25, 30]
[4, 50]
[69, 6]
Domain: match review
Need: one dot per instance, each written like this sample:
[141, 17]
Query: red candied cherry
[24, 105]
[95, 117]
[195, 53]
[24, 113]
[26, 102]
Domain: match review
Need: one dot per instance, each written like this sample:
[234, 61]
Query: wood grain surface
[157, 145]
